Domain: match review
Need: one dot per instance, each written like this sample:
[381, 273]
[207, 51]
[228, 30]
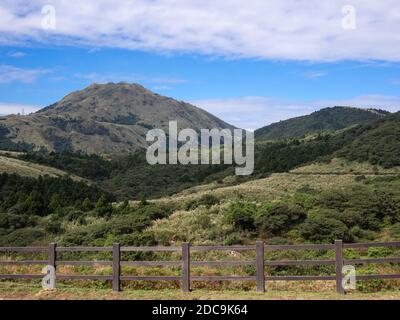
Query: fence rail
[259, 263]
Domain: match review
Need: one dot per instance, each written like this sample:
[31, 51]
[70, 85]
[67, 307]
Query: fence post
[339, 266]
[116, 267]
[260, 266]
[52, 255]
[186, 267]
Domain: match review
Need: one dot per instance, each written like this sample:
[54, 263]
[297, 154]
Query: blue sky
[248, 77]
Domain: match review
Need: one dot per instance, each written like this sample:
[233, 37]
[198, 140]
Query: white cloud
[10, 74]
[315, 74]
[274, 29]
[12, 108]
[255, 112]
[17, 54]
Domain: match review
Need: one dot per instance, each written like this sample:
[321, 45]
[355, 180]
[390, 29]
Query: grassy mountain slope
[24, 168]
[324, 120]
[379, 144]
[103, 119]
[318, 176]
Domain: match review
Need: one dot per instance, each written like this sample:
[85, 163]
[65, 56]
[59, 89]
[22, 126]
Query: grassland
[342, 166]
[318, 176]
[11, 165]
[13, 291]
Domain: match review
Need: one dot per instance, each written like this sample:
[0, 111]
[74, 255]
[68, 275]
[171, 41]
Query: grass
[11, 165]
[342, 166]
[18, 291]
[318, 176]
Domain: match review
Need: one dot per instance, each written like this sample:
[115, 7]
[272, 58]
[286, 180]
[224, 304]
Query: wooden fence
[186, 263]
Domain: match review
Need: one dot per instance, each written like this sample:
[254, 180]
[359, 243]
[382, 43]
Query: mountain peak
[100, 100]
[107, 118]
[114, 85]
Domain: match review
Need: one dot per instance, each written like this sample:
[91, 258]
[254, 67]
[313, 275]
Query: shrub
[103, 207]
[241, 215]
[10, 222]
[208, 200]
[322, 229]
[22, 237]
[54, 227]
[279, 218]
[233, 239]
[395, 231]
[86, 205]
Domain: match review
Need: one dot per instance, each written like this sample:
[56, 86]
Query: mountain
[103, 119]
[324, 120]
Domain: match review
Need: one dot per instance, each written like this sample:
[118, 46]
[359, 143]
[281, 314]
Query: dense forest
[31, 208]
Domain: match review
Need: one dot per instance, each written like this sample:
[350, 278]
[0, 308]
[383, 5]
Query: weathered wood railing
[186, 263]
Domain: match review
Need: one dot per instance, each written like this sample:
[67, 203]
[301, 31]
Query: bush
[323, 229]
[366, 206]
[10, 222]
[241, 215]
[395, 231]
[22, 237]
[206, 200]
[54, 227]
[103, 207]
[276, 219]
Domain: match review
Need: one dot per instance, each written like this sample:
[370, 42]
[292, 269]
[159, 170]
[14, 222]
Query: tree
[55, 202]
[103, 207]
[35, 204]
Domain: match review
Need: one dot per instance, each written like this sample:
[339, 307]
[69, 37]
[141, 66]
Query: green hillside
[324, 120]
[311, 179]
[29, 169]
[379, 144]
[131, 177]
